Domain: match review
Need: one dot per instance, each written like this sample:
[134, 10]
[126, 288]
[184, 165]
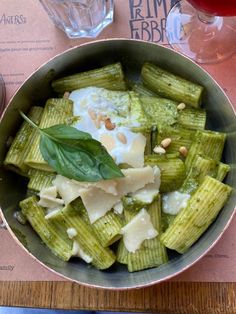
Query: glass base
[199, 36]
[80, 18]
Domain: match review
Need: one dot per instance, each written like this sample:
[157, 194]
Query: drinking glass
[204, 30]
[80, 18]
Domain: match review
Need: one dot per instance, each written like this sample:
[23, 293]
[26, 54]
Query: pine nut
[92, 114]
[97, 123]
[159, 150]
[166, 142]
[103, 118]
[181, 106]
[183, 151]
[109, 125]
[100, 117]
[122, 138]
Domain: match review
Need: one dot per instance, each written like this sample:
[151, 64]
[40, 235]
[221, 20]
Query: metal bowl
[36, 89]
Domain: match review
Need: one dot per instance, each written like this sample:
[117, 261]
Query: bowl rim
[136, 286]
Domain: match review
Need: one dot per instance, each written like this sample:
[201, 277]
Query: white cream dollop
[116, 106]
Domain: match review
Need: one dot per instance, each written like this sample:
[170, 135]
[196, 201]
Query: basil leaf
[75, 155]
[65, 133]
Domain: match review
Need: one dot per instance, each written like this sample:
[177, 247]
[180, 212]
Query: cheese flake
[135, 156]
[118, 208]
[140, 228]
[71, 232]
[173, 202]
[98, 202]
[67, 189]
[51, 213]
[147, 194]
[78, 251]
[48, 198]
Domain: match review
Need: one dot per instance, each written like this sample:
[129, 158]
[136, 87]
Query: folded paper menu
[27, 40]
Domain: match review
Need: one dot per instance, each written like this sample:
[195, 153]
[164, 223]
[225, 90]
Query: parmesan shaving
[71, 232]
[78, 251]
[48, 198]
[118, 208]
[147, 194]
[98, 202]
[173, 202]
[140, 228]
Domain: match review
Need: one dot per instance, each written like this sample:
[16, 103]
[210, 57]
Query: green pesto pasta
[56, 111]
[206, 143]
[200, 168]
[172, 171]
[53, 234]
[106, 228]
[39, 179]
[179, 137]
[109, 77]
[152, 252]
[131, 126]
[101, 257]
[201, 210]
[171, 86]
[22, 142]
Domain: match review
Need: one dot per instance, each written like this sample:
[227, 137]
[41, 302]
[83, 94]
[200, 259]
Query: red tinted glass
[216, 7]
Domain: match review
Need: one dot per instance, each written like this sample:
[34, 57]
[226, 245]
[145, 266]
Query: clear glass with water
[80, 18]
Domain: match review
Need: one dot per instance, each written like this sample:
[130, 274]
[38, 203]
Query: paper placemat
[27, 40]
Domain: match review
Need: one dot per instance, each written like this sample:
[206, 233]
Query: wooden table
[168, 297]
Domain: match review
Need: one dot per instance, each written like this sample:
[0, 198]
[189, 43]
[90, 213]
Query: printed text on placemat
[148, 19]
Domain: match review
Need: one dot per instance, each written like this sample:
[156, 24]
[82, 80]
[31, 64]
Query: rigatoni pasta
[152, 252]
[165, 188]
[39, 179]
[109, 77]
[179, 137]
[206, 143]
[195, 218]
[173, 171]
[85, 237]
[56, 111]
[171, 86]
[52, 233]
[107, 228]
[22, 142]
